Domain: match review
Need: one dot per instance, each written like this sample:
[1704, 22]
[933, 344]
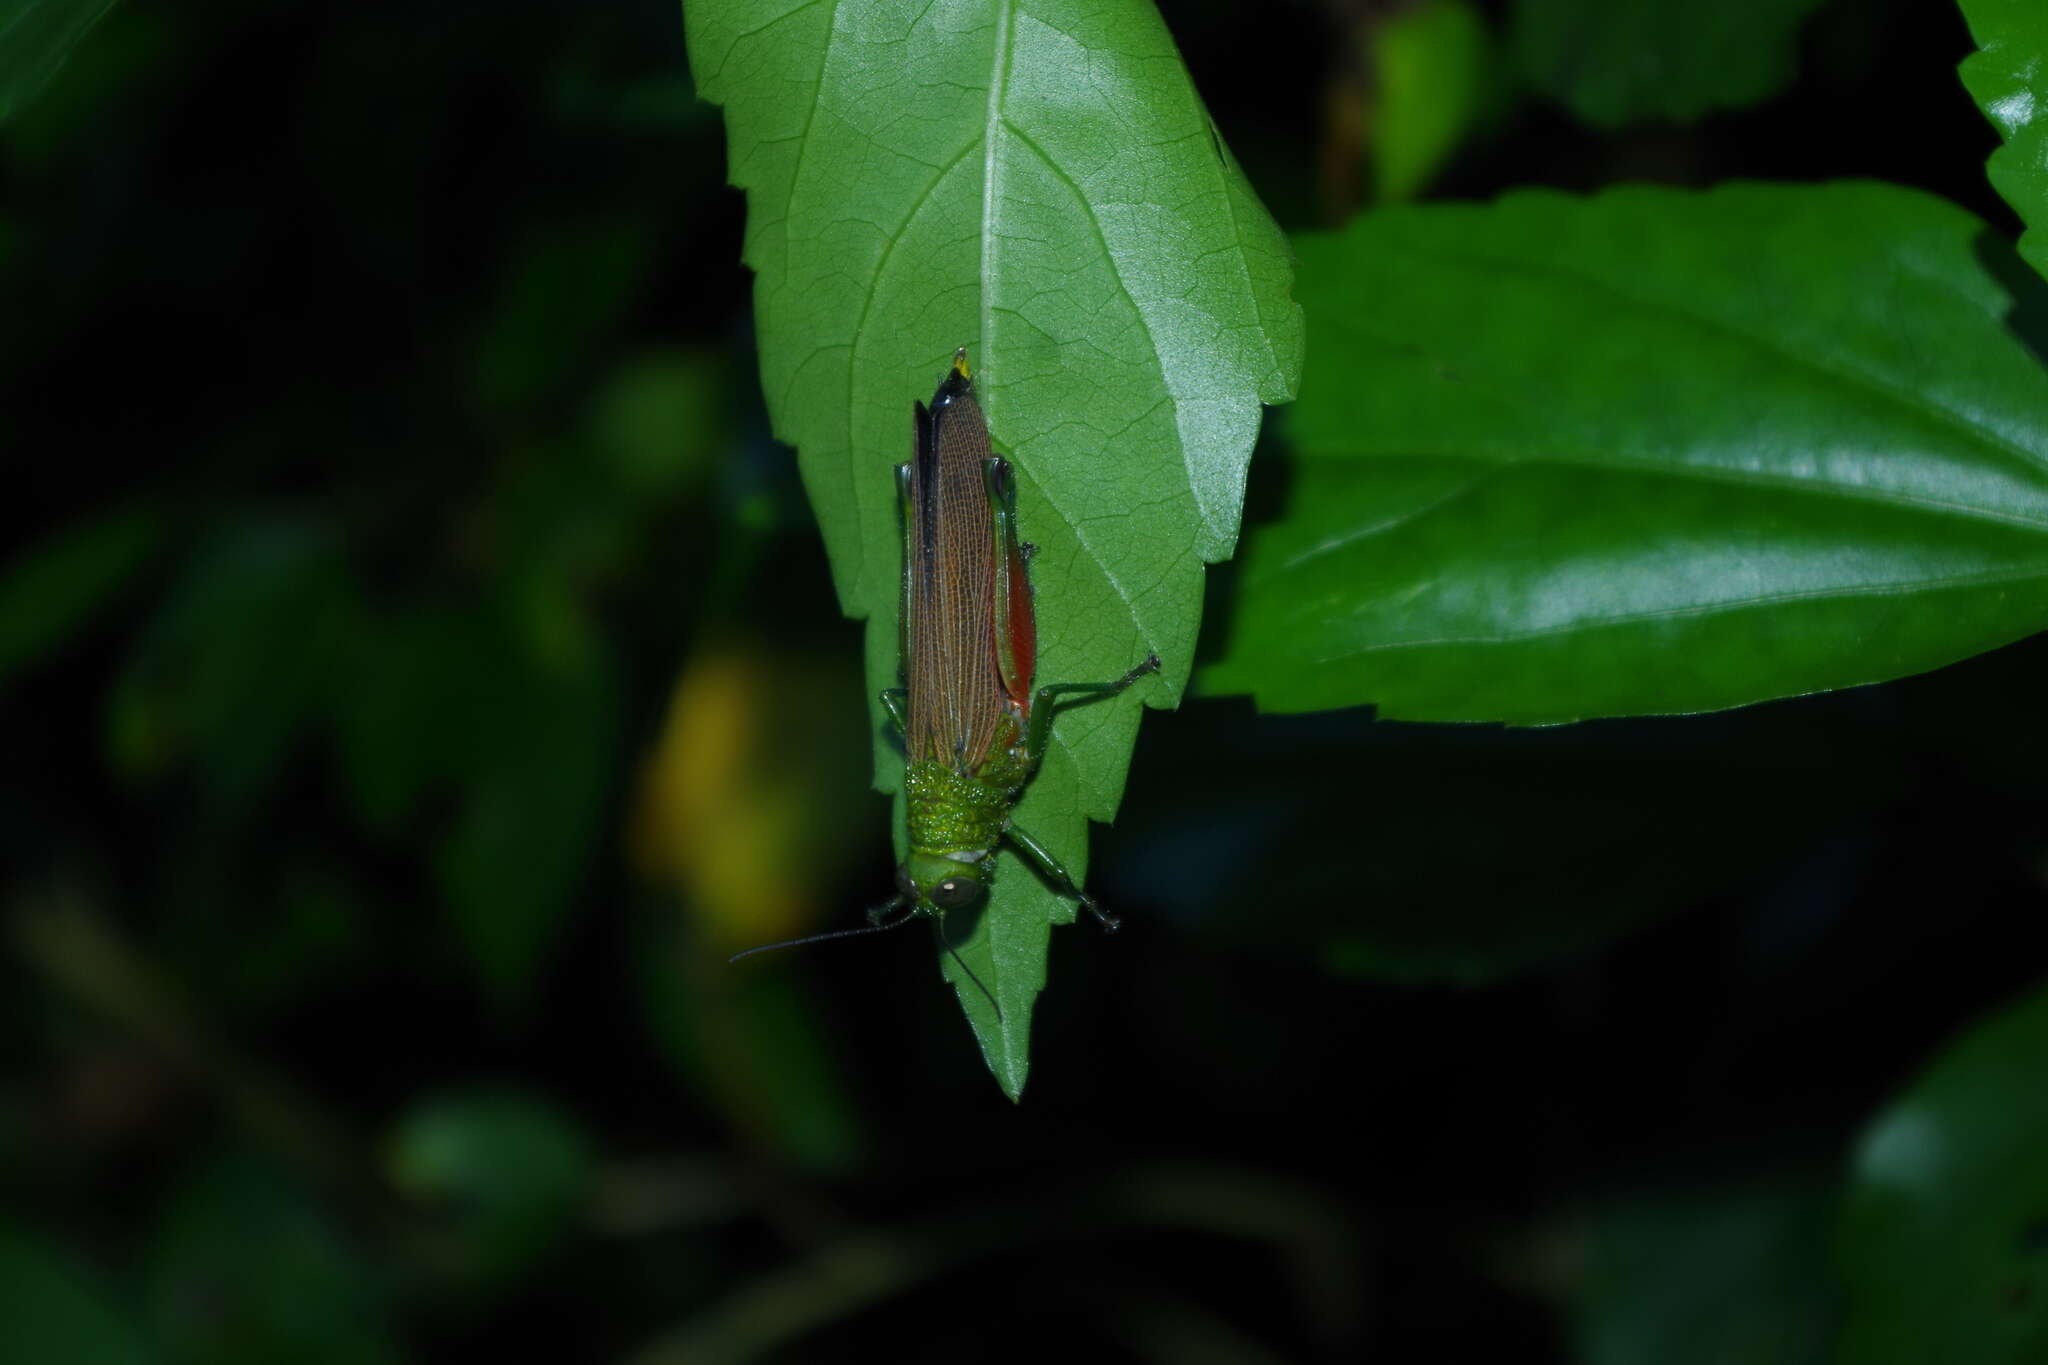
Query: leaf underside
[1647, 453]
[1037, 181]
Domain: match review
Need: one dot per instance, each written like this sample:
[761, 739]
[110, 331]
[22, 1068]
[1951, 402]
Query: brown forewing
[956, 693]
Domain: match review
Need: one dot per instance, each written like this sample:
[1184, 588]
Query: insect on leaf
[1037, 181]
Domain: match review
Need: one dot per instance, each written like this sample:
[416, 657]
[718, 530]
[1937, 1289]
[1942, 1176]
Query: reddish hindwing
[1016, 630]
[1023, 625]
[956, 694]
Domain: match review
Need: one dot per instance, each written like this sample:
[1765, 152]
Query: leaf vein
[1852, 378]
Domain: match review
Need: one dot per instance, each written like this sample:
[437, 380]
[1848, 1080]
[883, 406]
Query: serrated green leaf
[1035, 180]
[1613, 62]
[1944, 1237]
[1651, 452]
[2008, 77]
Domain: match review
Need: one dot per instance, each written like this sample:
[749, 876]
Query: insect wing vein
[955, 690]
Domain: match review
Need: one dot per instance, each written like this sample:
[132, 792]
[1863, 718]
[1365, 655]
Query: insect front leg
[1048, 701]
[1049, 867]
[896, 701]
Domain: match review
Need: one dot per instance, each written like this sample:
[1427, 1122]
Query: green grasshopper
[973, 730]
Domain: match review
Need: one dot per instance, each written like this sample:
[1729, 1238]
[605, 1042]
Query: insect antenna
[939, 928]
[835, 933]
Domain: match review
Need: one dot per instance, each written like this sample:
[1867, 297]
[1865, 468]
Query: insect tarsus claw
[1110, 923]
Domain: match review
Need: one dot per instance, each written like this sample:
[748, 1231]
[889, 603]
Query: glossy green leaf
[1613, 62]
[1650, 452]
[1035, 180]
[1944, 1237]
[36, 39]
[54, 1309]
[2008, 77]
[1433, 71]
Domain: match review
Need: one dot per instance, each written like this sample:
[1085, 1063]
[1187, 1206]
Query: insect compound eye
[959, 893]
[905, 887]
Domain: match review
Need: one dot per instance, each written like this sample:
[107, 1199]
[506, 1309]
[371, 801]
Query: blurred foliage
[1562, 839]
[504, 1173]
[1613, 62]
[55, 1310]
[419, 671]
[1437, 77]
[36, 38]
[1950, 1196]
[245, 1265]
[1710, 1274]
[744, 803]
[53, 587]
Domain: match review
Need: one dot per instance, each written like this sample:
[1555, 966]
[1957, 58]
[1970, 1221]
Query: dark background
[388, 476]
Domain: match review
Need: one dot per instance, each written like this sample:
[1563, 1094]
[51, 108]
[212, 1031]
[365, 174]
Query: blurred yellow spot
[723, 817]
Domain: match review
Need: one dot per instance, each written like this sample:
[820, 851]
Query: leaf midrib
[991, 165]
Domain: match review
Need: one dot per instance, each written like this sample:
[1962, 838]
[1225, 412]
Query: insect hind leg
[1047, 701]
[1050, 867]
